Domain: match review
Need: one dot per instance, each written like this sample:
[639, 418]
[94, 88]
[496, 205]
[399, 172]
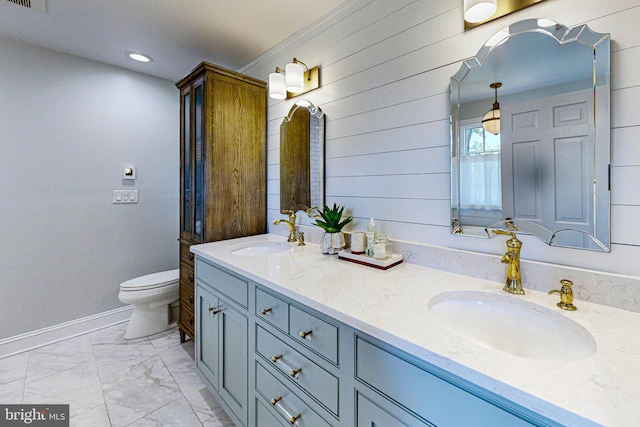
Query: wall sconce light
[491, 120]
[295, 80]
[479, 10]
[277, 84]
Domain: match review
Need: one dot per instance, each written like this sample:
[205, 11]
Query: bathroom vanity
[288, 336]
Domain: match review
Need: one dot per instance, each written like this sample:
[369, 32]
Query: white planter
[331, 243]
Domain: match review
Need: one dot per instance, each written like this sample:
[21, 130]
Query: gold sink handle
[566, 295]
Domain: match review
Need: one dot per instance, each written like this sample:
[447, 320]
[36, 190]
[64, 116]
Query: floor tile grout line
[104, 399]
[178, 385]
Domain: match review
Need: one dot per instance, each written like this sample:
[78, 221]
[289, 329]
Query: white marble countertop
[391, 305]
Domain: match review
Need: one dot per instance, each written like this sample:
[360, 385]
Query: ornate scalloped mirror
[546, 171]
[302, 158]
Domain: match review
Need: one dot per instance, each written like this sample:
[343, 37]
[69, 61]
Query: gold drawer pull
[276, 400]
[295, 373]
[306, 334]
[291, 418]
[266, 312]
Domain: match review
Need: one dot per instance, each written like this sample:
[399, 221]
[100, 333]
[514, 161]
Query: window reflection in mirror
[302, 158]
[544, 169]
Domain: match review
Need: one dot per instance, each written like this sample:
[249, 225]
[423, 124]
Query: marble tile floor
[111, 382]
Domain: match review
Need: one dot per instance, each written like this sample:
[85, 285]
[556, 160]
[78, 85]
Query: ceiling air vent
[35, 5]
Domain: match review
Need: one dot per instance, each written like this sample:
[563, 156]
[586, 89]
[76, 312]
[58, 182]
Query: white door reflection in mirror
[552, 154]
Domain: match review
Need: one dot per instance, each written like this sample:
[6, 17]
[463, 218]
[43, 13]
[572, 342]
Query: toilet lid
[151, 281]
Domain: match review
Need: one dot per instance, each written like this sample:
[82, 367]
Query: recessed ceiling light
[139, 57]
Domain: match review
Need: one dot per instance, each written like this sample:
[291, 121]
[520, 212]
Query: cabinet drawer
[369, 414]
[272, 309]
[427, 395]
[283, 401]
[264, 418]
[186, 256]
[314, 333]
[231, 286]
[306, 374]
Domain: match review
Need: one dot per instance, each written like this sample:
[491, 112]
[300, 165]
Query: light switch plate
[125, 197]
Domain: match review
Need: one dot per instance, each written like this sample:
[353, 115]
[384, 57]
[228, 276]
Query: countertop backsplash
[613, 290]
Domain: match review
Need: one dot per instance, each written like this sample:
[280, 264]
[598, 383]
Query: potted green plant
[331, 222]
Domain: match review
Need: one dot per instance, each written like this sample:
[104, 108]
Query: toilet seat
[151, 281]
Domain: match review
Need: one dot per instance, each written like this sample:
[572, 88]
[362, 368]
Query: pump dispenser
[371, 236]
[372, 227]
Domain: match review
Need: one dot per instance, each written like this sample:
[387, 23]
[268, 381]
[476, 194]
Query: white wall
[66, 126]
[385, 91]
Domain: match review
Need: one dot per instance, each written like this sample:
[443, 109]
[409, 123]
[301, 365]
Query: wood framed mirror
[302, 158]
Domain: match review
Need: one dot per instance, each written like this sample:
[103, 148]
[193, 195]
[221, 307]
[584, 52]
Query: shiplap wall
[385, 91]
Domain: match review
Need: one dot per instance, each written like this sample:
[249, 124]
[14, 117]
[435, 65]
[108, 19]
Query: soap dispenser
[371, 236]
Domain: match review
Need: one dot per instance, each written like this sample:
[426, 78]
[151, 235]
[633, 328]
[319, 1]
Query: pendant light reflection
[479, 10]
[491, 120]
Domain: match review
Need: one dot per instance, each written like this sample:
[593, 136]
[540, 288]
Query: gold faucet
[566, 295]
[513, 284]
[291, 223]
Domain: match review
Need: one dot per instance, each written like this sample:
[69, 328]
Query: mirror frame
[600, 42]
[284, 171]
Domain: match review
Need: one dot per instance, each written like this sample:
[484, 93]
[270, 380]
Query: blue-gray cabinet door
[207, 335]
[234, 359]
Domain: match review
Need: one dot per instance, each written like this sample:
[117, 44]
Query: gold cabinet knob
[265, 311]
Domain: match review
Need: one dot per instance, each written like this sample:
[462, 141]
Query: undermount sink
[512, 325]
[261, 248]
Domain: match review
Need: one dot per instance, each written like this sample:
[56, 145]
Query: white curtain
[480, 182]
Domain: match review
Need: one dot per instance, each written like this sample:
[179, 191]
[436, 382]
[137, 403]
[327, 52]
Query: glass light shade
[479, 10]
[295, 77]
[491, 122]
[277, 87]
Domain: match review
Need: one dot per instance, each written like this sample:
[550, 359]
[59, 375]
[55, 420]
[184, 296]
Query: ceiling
[176, 34]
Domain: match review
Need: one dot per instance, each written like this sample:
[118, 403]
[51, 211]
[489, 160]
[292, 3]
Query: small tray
[382, 264]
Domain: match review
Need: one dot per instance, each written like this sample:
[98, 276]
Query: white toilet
[154, 298]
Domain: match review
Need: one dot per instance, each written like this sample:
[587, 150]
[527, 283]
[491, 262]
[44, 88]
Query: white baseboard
[38, 338]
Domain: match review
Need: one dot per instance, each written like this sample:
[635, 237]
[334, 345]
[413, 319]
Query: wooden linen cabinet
[222, 167]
